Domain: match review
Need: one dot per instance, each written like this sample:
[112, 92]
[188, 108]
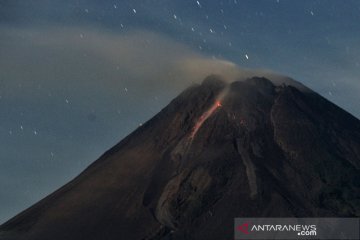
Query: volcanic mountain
[218, 151]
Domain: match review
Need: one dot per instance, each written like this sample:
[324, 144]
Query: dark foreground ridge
[259, 151]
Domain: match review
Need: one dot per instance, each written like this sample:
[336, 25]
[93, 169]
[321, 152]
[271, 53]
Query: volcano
[219, 150]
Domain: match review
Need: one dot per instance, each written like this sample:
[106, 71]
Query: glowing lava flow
[217, 104]
[205, 116]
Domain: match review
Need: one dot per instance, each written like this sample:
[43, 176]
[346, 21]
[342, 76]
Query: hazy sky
[78, 76]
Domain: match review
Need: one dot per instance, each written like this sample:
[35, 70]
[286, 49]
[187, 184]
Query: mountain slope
[216, 152]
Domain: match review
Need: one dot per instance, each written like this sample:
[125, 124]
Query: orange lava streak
[205, 116]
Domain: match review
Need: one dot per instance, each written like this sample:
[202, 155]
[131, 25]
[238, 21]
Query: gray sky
[78, 76]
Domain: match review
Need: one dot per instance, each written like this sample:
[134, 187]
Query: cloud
[87, 60]
[84, 57]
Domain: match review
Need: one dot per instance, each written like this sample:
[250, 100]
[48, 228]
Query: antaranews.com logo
[296, 228]
[301, 230]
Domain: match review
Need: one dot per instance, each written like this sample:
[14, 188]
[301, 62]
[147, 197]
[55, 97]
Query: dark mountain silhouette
[216, 152]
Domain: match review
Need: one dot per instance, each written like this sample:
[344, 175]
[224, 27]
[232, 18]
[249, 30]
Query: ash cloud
[74, 58]
[87, 61]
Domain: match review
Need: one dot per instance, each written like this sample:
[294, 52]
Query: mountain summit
[218, 151]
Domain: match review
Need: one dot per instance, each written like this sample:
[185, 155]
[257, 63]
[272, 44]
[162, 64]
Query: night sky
[78, 76]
